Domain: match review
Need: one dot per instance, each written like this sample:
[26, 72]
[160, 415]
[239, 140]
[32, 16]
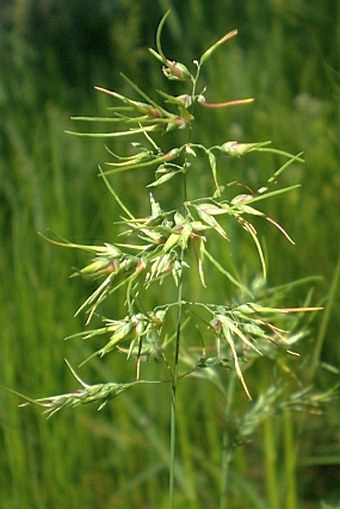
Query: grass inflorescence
[238, 337]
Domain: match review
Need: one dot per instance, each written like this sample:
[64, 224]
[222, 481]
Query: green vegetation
[286, 57]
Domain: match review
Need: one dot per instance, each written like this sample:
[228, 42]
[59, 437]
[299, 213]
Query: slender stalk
[227, 446]
[173, 399]
[173, 424]
[172, 448]
[290, 461]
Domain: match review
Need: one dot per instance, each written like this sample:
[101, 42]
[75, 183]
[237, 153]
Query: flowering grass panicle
[185, 334]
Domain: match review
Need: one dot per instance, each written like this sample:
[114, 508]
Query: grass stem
[290, 461]
[227, 446]
[173, 423]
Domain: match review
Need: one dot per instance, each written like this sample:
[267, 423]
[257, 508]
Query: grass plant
[41, 178]
[187, 335]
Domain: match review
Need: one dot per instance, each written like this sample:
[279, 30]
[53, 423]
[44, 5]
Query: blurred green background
[51, 55]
